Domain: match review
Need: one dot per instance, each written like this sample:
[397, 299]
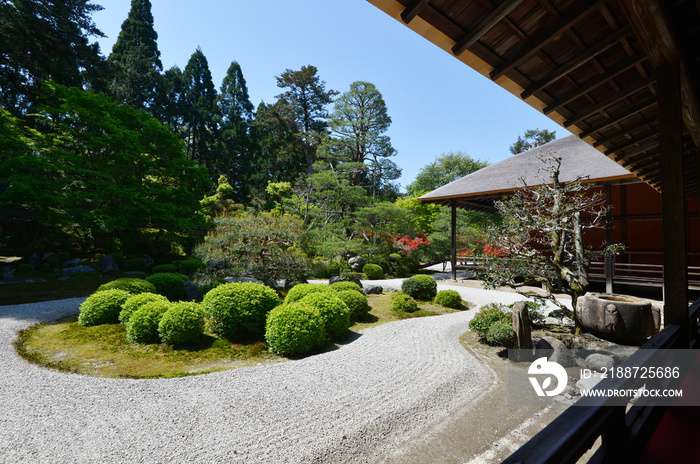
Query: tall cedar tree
[42, 40]
[135, 59]
[200, 115]
[236, 112]
[307, 94]
[359, 122]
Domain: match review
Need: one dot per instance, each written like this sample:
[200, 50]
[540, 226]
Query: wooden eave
[588, 65]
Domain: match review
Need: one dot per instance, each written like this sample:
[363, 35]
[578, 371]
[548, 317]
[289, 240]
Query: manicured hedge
[334, 312]
[294, 329]
[130, 284]
[404, 304]
[449, 299]
[170, 285]
[356, 303]
[299, 291]
[239, 309]
[182, 324]
[142, 326]
[102, 307]
[373, 271]
[420, 287]
[134, 302]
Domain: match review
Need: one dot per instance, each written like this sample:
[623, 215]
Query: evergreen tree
[171, 107]
[236, 112]
[307, 94]
[42, 40]
[135, 59]
[531, 139]
[200, 116]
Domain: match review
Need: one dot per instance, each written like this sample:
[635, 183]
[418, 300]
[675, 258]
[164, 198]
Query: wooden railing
[624, 431]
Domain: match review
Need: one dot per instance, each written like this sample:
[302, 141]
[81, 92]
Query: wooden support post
[608, 239]
[673, 198]
[454, 240]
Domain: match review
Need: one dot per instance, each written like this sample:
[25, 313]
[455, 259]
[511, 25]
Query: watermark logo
[541, 367]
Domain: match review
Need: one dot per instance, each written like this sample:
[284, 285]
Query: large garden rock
[357, 263]
[371, 289]
[523, 335]
[72, 263]
[109, 264]
[192, 291]
[554, 350]
[600, 362]
[148, 261]
[619, 318]
[354, 278]
[81, 269]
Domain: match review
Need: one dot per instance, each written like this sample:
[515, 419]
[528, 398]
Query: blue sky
[437, 104]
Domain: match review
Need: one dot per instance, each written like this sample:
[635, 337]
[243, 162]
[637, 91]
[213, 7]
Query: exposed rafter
[484, 25]
[627, 130]
[632, 110]
[413, 9]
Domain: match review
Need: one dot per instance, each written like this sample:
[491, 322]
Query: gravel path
[348, 405]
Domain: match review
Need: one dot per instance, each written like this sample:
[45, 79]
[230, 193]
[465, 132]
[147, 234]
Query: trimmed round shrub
[356, 303]
[420, 287]
[501, 333]
[299, 291]
[404, 304]
[449, 299]
[190, 266]
[340, 286]
[143, 324]
[334, 312]
[25, 270]
[182, 324]
[409, 262]
[134, 302]
[239, 309]
[130, 284]
[102, 307]
[134, 264]
[373, 271]
[487, 316]
[170, 285]
[294, 329]
[161, 268]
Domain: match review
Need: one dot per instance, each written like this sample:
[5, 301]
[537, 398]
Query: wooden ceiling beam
[626, 131]
[578, 61]
[551, 33]
[484, 25]
[630, 143]
[412, 10]
[619, 117]
[627, 91]
[653, 27]
[593, 83]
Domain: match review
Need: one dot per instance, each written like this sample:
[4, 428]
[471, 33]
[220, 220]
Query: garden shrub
[191, 266]
[501, 334]
[340, 286]
[487, 316]
[134, 302]
[134, 265]
[143, 324]
[373, 271]
[182, 324]
[396, 256]
[299, 291]
[25, 270]
[420, 287]
[239, 309]
[162, 268]
[402, 271]
[334, 312]
[356, 303]
[170, 285]
[102, 307]
[130, 284]
[449, 299]
[409, 262]
[404, 304]
[294, 329]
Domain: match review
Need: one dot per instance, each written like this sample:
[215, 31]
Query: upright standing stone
[523, 335]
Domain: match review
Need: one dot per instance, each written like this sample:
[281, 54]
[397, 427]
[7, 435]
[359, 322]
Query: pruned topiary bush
[420, 287]
[373, 271]
[102, 307]
[449, 299]
[170, 285]
[299, 291]
[191, 266]
[134, 265]
[404, 304]
[356, 303]
[501, 333]
[334, 312]
[340, 286]
[162, 268]
[486, 317]
[239, 309]
[182, 324]
[134, 302]
[294, 329]
[142, 326]
[130, 284]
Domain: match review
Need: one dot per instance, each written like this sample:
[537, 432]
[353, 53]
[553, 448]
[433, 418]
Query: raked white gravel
[347, 405]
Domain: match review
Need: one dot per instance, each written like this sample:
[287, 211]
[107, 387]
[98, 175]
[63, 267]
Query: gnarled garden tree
[541, 237]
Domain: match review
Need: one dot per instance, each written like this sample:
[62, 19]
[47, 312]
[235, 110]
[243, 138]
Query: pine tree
[200, 116]
[236, 111]
[135, 59]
